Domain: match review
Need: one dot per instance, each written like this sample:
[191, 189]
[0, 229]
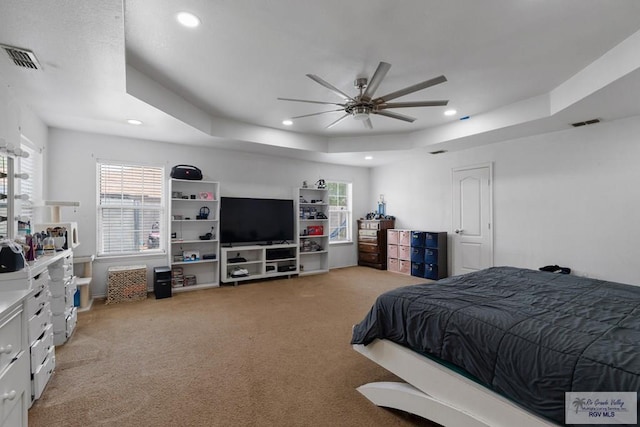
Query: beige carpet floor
[270, 353]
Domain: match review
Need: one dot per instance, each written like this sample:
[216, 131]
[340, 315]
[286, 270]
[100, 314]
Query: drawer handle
[6, 350]
[9, 396]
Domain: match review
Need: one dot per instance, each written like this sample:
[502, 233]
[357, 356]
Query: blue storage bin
[430, 240]
[430, 271]
[430, 256]
[417, 254]
[76, 298]
[417, 239]
[417, 269]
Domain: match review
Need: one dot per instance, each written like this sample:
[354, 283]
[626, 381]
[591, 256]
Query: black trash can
[162, 282]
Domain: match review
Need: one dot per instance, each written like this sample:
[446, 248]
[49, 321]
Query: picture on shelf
[206, 195]
[191, 256]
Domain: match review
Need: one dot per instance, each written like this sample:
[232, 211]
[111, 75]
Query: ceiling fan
[362, 105]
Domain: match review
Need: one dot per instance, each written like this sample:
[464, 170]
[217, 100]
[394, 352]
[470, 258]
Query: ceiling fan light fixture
[360, 113]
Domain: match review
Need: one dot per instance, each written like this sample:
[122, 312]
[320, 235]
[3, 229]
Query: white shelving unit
[313, 214]
[191, 200]
[259, 262]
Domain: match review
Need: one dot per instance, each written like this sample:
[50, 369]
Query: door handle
[458, 230]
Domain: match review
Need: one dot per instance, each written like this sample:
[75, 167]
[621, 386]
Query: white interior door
[472, 219]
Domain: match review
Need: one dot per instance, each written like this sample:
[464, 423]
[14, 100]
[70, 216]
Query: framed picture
[206, 195]
[191, 255]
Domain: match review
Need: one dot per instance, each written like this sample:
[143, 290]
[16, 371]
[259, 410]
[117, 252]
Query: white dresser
[39, 312]
[15, 395]
[63, 287]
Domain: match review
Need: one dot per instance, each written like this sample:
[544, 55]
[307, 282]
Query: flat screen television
[246, 220]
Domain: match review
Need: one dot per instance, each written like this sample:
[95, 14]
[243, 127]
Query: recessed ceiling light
[188, 19]
[134, 122]
[450, 112]
[287, 122]
[368, 157]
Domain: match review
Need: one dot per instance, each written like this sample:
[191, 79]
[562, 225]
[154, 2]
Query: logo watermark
[601, 407]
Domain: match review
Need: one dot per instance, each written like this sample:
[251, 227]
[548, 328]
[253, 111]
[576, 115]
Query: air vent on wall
[22, 57]
[586, 122]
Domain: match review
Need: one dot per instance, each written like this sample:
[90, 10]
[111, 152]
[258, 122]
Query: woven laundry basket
[127, 283]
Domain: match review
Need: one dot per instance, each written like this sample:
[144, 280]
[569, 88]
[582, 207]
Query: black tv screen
[259, 221]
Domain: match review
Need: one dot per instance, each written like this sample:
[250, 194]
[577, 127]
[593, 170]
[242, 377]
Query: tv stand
[260, 262]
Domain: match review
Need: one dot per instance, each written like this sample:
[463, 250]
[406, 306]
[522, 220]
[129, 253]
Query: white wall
[569, 198]
[71, 162]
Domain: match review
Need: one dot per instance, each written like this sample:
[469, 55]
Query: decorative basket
[126, 283]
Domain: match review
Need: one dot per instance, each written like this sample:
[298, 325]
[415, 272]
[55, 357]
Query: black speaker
[162, 282]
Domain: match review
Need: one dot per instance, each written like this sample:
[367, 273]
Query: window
[130, 209]
[339, 211]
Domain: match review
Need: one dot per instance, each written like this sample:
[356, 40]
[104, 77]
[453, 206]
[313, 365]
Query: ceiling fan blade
[395, 116]
[329, 86]
[416, 87]
[378, 76]
[317, 114]
[367, 123]
[312, 102]
[412, 104]
[338, 121]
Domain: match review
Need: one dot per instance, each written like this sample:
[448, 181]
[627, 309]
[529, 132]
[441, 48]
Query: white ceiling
[516, 67]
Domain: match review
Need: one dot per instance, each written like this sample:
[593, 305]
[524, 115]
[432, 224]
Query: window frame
[33, 185]
[348, 211]
[161, 208]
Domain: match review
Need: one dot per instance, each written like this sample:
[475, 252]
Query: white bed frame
[437, 393]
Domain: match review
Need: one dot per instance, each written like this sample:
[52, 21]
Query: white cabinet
[15, 395]
[40, 283]
[241, 263]
[194, 230]
[62, 284]
[313, 230]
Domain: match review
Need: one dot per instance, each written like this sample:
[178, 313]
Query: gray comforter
[529, 335]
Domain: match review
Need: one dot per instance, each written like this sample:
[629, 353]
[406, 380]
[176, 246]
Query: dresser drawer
[72, 320]
[404, 252]
[39, 322]
[40, 281]
[11, 337]
[37, 300]
[392, 251]
[43, 374]
[364, 247]
[431, 272]
[14, 383]
[431, 256]
[368, 233]
[40, 348]
[404, 266]
[404, 237]
[369, 257]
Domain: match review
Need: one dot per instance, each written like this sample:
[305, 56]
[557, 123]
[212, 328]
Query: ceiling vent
[22, 57]
[586, 122]
[438, 152]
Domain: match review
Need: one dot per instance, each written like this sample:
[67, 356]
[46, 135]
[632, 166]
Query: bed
[501, 346]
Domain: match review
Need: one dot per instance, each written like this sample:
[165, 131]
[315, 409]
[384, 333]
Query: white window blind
[130, 209]
[339, 211]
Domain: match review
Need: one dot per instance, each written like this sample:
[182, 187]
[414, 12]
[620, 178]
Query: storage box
[315, 230]
[126, 283]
